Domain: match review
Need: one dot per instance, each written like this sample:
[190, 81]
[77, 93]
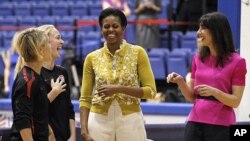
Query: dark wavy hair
[114, 12]
[222, 37]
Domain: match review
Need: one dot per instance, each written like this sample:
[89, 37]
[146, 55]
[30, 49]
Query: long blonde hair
[26, 44]
[19, 63]
[47, 28]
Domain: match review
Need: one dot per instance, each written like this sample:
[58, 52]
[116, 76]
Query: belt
[206, 97]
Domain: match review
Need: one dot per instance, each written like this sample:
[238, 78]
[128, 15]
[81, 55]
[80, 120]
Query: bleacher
[163, 60]
[164, 132]
[156, 132]
[19, 14]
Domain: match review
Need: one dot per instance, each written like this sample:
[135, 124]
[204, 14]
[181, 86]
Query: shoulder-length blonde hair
[27, 43]
[47, 28]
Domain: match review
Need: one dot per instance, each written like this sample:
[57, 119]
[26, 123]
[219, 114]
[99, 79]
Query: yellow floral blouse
[129, 66]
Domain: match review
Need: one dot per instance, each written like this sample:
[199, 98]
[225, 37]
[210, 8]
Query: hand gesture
[58, 86]
[205, 90]
[107, 90]
[174, 78]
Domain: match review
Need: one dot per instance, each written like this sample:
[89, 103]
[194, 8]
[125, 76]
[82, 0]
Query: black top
[61, 109]
[29, 105]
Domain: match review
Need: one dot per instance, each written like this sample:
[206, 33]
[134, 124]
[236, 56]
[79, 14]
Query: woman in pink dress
[217, 81]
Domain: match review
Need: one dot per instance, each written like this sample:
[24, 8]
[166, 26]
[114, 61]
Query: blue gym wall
[232, 10]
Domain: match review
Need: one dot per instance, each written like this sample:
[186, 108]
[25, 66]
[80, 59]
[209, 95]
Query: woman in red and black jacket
[29, 96]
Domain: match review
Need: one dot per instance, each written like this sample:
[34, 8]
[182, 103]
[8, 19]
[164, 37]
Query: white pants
[115, 126]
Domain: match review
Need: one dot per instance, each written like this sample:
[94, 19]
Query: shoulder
[235, 57]
[139, 48]
[20, 78]
[94, 53]
[196, 56]
[136, 48]
[56, 69]
[60, 68]
[238, 60]
[27, 75]
[238, 64]
[140, 52]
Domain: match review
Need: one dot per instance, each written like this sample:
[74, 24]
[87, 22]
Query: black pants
[206, 132]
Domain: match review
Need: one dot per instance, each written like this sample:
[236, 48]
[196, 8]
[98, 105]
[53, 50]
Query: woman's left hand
[107, 90]
[205, 90]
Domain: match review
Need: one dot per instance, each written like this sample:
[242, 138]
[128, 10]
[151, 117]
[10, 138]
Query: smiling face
[204, 37]
[112, 30]
[56, 43]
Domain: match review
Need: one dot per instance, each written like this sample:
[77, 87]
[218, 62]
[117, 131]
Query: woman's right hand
[174, 78]
[87, 137]
[58, 86]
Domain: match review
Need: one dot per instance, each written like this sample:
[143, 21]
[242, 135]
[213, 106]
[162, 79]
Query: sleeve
[146, 75]
[239, 74]
[23, 107]
[87, 83]
[71, 114]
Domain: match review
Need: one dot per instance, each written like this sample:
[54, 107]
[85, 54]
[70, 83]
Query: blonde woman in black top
[29, 96]
[61, 112]
[29, 100]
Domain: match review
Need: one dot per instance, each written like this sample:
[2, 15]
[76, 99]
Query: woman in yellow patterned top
[115, 78]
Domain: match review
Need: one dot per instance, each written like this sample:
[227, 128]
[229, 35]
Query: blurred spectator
[187, 12]
[3, 121]
[6, 59]
[147, 35]
[120, 4]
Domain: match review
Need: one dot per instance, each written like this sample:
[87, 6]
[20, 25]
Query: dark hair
[114, 12]
[222, 37]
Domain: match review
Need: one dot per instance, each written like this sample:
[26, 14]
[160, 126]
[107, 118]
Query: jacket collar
[121, 51]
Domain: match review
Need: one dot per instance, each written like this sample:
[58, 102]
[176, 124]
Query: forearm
[135, 92]
[72, 129]
[139, 9]
[127, 13]
[127, 10]
[156, 8]
[51, 134]
[231, 100]
[52, 95]
[186, 90]
[84, 114]
[26, 134]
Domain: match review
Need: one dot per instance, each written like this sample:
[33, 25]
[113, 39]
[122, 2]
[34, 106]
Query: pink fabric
[233, 73]
[112, 4]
